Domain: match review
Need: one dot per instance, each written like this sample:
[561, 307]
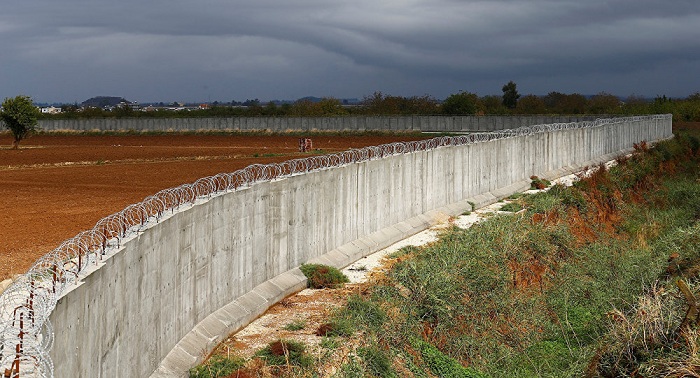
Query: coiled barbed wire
[26, 334]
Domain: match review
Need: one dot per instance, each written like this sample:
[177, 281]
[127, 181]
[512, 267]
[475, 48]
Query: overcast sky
[207, 50]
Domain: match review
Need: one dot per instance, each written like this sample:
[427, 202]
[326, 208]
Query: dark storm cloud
[171, 50]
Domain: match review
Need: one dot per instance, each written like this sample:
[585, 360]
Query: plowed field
[55, 186]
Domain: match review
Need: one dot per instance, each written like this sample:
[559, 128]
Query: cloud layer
[232, 50]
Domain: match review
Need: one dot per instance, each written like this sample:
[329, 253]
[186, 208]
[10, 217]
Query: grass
[442, 365]
[217, 366]
[512, 207]
[377, 362]
[285, 353]
[296, 325]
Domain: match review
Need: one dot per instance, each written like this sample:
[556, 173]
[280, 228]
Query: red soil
[55, 186]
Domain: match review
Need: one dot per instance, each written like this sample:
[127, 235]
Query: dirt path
[56, 186]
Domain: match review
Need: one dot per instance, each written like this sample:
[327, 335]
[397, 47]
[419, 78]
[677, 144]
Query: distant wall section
[279, 124]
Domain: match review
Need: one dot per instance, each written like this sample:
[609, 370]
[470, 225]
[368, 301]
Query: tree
[560, 103]
[461, 103]
[20, 116]
[379, 104]
[604, 103]
[510, 95]
[531, 104]
[493, 105]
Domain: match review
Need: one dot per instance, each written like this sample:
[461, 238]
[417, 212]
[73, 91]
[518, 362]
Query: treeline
[462, 103]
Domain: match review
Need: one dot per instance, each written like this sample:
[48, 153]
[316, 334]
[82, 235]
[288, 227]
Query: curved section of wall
[281, 124]
[133, 302]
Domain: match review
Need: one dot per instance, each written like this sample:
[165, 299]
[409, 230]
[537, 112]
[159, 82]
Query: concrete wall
[354, 123]
[202, 268]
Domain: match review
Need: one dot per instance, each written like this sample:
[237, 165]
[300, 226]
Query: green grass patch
[442, 365]
[296, 325]
[323, 276]
[217, 366]
[512, 207]
[376, 361]
[285, 352]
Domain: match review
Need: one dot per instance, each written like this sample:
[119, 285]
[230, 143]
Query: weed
[323, 276]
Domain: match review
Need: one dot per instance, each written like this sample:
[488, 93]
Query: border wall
[151, 290]
[280, 124]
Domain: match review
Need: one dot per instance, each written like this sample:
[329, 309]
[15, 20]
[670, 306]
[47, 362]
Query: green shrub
[323, 276]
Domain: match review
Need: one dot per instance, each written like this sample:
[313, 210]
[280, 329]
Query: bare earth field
[55, 186]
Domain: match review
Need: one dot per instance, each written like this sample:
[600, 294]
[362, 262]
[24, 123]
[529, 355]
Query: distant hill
[103, 101]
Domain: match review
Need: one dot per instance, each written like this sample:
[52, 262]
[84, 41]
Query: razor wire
[26, 334]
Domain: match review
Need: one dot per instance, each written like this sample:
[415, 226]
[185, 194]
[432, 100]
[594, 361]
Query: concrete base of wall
[192, 349]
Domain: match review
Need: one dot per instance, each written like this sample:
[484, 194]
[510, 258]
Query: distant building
[50, 110]
[125, 105]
